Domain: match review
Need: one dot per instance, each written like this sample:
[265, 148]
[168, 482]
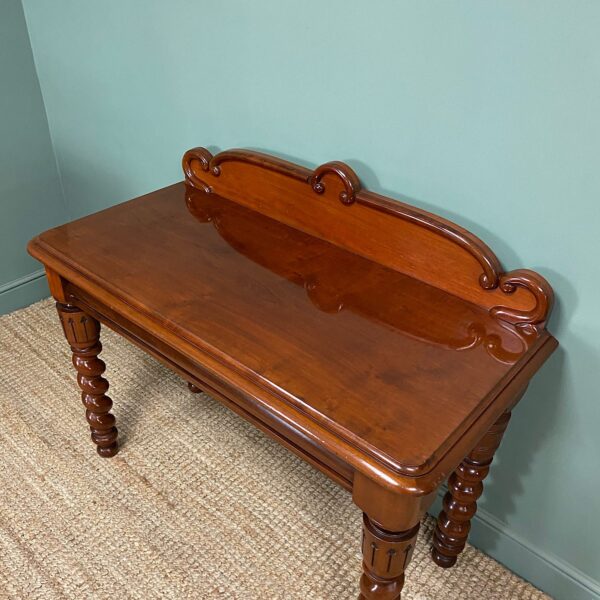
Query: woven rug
[198, 503]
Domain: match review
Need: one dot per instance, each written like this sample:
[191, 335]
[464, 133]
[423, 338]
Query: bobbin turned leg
[460, 502]
[386, 555]
[83, 334]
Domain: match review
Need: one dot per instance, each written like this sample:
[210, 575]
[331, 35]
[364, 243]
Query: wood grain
[380, 343]
[83, 334]
[400, 236]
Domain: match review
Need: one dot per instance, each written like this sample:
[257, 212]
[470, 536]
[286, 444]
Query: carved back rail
[329, 203]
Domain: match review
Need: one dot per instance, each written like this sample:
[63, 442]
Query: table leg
[386, 555]
[83, 334]
[460, 502]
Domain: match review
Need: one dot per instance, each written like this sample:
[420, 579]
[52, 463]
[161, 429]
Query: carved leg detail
[83, 334]
[460, 502]
[194, 388]
[385, 557]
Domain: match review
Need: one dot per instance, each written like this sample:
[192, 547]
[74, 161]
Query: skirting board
[544, 570]
[23, 291]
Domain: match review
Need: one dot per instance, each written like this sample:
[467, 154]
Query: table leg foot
[194, 388]
[386, 555]
[460, 502]
[83, 334]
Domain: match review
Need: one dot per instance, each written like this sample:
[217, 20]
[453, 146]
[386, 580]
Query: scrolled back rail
[425, 246]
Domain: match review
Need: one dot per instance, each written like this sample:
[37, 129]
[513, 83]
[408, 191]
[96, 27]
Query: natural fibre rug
[198, 503]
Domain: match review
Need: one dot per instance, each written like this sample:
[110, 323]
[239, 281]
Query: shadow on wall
[371, 182]
[90, 186]
[532, 424]
[539, 413]
[535, 418]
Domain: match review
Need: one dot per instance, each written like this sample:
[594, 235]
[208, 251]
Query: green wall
[486, 112]
[30, 194]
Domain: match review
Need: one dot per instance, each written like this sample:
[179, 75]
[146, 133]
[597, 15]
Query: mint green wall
[30, 195]
[486, 112]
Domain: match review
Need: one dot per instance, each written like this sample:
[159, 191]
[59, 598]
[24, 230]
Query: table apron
[329, 464]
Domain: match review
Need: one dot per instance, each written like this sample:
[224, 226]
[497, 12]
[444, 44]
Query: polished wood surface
[379, 342]
[329, 331]
[392, 233]
[460, 502]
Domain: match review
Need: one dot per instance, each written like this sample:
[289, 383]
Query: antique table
[382, 344]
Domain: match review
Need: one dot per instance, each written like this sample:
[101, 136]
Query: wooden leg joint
[83, 334]
[385, 557]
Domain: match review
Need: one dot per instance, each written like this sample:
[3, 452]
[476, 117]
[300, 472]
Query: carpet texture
[198, 503]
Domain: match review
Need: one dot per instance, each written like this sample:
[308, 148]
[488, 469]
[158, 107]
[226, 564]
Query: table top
[393, 365]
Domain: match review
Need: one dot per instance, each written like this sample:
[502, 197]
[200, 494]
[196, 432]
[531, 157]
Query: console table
[381, 343]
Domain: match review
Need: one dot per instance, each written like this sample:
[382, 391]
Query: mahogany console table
[382, 344]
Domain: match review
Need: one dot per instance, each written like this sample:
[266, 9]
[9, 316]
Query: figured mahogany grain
[356, 345]
[329, 203]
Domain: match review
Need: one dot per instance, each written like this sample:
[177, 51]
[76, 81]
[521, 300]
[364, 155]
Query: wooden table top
[395, 366]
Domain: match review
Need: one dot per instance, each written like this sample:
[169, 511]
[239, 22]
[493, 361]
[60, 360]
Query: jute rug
[198, 504]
